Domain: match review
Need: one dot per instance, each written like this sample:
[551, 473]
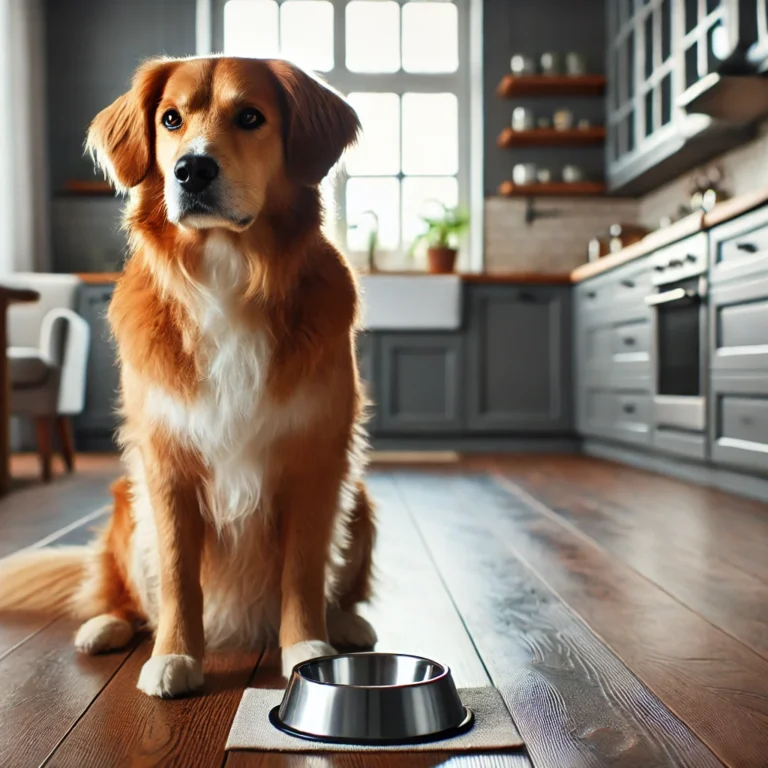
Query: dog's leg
[346, 628]
[307, 503]
[176, 664]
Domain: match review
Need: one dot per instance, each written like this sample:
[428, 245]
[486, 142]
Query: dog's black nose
[195, 172]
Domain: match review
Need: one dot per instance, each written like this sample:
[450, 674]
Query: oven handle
[676, 294]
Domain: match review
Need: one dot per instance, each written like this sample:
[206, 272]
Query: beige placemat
[493, 727]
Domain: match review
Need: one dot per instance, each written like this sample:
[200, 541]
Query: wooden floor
[622, 615]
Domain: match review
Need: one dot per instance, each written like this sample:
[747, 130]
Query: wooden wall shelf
[95, 187]
[551, 85]
[565, 189]
[549, 137]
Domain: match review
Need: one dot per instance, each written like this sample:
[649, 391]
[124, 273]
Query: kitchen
[601, 336]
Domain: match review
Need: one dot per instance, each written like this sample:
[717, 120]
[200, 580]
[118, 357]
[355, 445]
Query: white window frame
[465, 84]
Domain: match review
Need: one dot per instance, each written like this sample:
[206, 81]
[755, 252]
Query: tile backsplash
[557, 243]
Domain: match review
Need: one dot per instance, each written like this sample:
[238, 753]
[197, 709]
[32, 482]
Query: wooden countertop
[490, 278]
[690, 225]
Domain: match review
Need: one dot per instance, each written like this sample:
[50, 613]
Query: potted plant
[441, 236]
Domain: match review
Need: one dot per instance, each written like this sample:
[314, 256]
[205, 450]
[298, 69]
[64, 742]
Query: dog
[242, 517]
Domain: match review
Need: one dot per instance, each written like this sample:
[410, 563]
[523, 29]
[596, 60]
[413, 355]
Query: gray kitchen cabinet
[738, 325]
[739, 248]
[419, 380]
[96, 424]
[620, 414]
[366, 362]
[613, 343]
[518, 359]
[739, 421]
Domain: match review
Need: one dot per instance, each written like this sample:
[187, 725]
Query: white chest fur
[232, 423]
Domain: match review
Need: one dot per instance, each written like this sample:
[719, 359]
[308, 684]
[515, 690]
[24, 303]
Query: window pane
[250, 28]
[430, 37]
[378, 151]
[373, 36]
[306, 33]
[381, 196]
[331, 218]
[419, 196]
[430, 134]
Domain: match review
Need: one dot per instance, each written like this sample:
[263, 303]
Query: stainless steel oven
[680, 323]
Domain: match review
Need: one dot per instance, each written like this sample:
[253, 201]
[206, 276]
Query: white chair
[47, 356]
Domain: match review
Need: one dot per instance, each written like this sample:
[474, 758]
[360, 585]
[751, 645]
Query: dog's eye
[171, 119]
[250, 119]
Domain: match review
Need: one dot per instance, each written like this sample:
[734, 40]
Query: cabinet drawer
[632, 416]
[739, 433]
[740, 247]
[620, 414]
[620, 350]
[739, 326]
[631, 349]
[744, 419]
[628, 287]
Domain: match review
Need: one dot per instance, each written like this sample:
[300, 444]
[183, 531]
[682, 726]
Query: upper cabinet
[683, 86]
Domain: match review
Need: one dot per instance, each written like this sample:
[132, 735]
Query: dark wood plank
[45, 686]
[16, 629]
[37, 510]
[573, 701]
[127, 727]
[733, 527]
[711, 681]
[677, 540]
[374, 760]
[269, 676]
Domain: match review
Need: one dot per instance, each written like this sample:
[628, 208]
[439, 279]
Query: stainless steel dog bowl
[371, 698]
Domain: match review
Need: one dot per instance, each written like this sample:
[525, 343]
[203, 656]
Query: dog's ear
[318, 124]
[121, 137]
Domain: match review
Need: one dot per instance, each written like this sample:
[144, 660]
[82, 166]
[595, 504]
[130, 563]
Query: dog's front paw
[300, 652]
[348, 630]
[170, 676]
[103, 633]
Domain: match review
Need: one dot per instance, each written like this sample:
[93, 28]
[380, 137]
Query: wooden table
[8, 296]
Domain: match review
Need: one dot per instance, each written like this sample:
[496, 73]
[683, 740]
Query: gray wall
[531, 27]
[93, 47]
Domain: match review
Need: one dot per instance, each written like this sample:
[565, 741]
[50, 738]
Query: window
[402, 66]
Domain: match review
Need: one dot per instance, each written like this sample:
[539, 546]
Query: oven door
[680, 341]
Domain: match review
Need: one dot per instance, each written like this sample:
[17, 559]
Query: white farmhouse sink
[411, 302]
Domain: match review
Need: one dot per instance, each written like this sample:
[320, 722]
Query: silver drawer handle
[628, 408]
[629, 341]
[677, 294]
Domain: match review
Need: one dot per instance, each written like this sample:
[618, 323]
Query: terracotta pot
[441, 260]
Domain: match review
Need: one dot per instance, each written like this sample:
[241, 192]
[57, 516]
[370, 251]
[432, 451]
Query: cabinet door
[366, 362]
[739, 326]
[739, 248]
[102, 374]
[420, 383]
[739, 421]
[519, 359]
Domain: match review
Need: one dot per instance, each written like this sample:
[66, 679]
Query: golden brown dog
[242, 513]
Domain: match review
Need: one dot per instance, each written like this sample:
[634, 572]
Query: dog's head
[218, 138]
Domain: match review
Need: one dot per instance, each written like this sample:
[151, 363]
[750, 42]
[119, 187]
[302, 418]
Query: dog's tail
[42, 580]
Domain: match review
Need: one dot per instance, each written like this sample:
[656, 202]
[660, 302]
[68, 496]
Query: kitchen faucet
[373, 239]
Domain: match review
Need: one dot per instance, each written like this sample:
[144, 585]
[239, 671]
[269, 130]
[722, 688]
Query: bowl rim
[446, 671]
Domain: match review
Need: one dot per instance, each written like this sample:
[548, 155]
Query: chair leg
[44, 426]
[67, 441]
